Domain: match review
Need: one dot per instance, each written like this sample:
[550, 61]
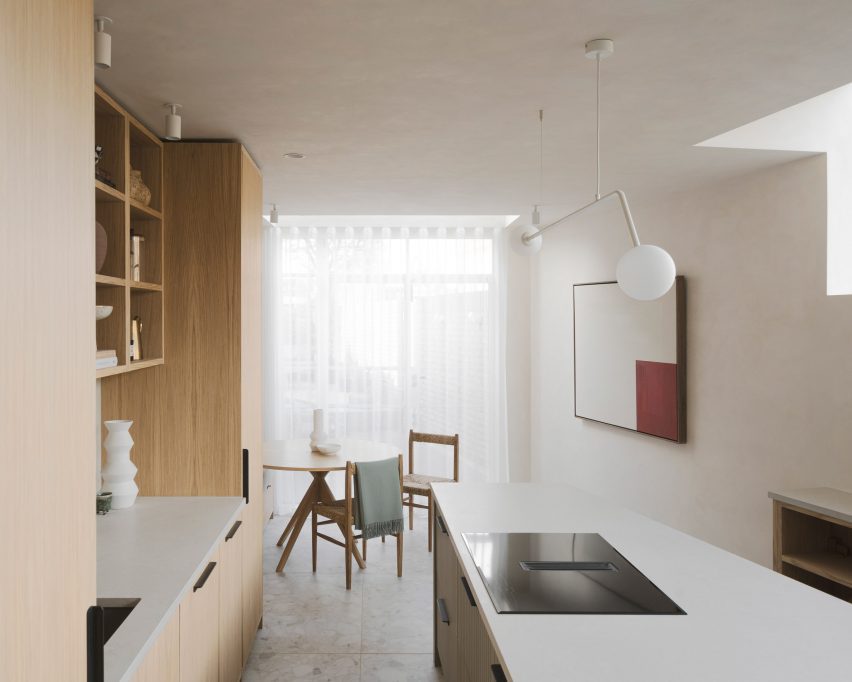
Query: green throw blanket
[378, 504]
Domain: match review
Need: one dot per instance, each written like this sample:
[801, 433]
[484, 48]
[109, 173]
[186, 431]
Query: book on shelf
[105, 354]
[103, 363]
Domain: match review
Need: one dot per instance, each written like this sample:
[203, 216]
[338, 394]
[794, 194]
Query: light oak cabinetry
[199, 627]
[162, 663]
[197, 420]
[231, 605]
[463, 648]
[47, 296]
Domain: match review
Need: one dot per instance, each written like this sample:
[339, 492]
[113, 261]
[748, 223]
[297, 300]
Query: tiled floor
[314, 629]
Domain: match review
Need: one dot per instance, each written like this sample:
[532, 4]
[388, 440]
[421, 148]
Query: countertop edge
[791, 497]
[134, 664]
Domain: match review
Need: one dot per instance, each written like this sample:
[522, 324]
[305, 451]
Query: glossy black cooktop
[562, 573]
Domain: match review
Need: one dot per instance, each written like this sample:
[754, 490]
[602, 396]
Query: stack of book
[105, 358]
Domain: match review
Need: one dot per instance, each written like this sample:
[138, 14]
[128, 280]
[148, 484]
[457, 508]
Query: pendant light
[273, 215]
[535, 216]
[103, 43]
[645, 272]
[173, 122]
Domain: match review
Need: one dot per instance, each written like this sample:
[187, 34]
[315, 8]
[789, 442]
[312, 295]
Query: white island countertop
[743, 622]
[152, 551]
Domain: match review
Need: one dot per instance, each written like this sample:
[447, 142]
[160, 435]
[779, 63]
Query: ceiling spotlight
[172, 122]
[273, 214]
[294, 155]
[103, 43]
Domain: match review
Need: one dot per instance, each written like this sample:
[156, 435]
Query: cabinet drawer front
[476, 654]
[446, 603]
[199, 627]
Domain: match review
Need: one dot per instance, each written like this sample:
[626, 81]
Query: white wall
[769, 372]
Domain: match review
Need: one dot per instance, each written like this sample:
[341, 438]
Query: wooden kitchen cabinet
[463, 648]
[199, 626]
[198, 416]
[231, 604]
[446, 576]
[162, 662]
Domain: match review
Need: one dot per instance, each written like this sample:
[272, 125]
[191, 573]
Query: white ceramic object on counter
[318, 435]
[327, 448]
[119, 472]
[102, 311]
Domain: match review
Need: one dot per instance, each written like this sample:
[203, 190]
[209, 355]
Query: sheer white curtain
[388, 323]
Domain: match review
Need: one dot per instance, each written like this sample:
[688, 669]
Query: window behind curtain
[387, 328]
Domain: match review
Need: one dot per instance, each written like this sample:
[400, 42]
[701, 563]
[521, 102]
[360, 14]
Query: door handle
[442, 611]
[246, 474]
[233, 531]
[442, 524]
[203, 579]
[95, 644]
[468, 592]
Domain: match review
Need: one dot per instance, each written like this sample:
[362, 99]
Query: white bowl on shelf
[102, 311]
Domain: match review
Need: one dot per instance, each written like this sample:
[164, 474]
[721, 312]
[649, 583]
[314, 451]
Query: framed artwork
[630, 359]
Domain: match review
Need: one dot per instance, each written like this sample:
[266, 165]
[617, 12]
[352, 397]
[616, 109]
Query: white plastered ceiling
[430, 107]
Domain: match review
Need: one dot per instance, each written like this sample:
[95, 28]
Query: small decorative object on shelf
[102, 312]
[105, 359]
[104, 502]
[120, 471]
[138, 189]
[318, 435]
[137, 244]
[136, 339]
[100, 173]
[100, 246]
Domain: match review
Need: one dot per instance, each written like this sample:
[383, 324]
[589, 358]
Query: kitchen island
[154, 551]
[742, 621]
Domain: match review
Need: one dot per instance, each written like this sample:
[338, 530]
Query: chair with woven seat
[420, 484]
[349, 513]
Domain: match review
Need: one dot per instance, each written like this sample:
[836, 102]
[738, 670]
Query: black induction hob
[562, 573]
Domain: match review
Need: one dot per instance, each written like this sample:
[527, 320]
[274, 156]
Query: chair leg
[399, 555]
[411, 511]
[364, 548]
[314, 540]
[431, 519]
[350, 546]
[383, 538]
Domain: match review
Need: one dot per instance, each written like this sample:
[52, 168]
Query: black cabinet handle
[203, 579]
[497, 671]
[233, 531]
[443, 526]
[442, 611]
[246, 474]
[95, 644]
[468, 592]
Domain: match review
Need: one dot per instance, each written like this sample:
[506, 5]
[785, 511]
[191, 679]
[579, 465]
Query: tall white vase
[318, 434]
[119, 471]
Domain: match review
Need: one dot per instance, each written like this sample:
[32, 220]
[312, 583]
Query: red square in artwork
[656, 398]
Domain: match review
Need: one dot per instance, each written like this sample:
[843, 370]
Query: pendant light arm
[625, 208]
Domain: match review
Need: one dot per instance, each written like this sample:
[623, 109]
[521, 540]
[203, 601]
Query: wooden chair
[419, 484]
[342, 513]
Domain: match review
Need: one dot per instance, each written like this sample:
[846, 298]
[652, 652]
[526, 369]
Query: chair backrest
[436, 439]
[351, 468]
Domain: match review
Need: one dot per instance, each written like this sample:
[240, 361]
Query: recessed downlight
[294, 155]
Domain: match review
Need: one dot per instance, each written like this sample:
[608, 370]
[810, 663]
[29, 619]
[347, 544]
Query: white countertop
[827, 501]
[153, 551]
[744, 622]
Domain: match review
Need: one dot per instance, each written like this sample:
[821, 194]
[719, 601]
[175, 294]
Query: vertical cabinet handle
[246, 474]
[441, 523]
[497, 672]
[233, 531]
[468, 592]
[95, 644]
[203, 579]
[442, 611]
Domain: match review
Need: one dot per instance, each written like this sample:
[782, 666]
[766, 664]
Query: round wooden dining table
[296, 455]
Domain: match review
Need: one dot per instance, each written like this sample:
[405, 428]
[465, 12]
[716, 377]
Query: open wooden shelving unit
[812, 542]
[127, 145]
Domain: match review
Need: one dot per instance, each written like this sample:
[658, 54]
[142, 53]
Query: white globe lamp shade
[517, 243]
[646, 272]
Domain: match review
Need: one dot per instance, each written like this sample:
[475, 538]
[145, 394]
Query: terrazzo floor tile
[397, 615]
[398, 667]
[299, 667]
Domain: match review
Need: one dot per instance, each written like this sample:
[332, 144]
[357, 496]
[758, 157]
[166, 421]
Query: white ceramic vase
[318, 434]
[119, 471]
